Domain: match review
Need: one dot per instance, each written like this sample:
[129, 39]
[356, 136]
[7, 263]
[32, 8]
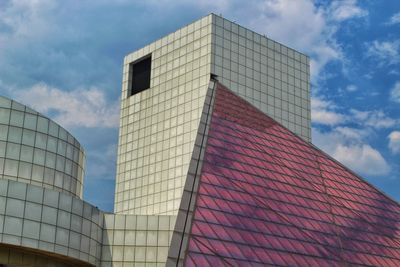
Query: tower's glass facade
[158, 126]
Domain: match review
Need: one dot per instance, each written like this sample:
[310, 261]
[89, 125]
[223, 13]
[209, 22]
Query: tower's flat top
[209, 19]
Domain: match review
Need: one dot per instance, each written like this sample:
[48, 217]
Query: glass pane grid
[158, 125]
[136, 239]
[32, 218]
[38, 151]
[267, 197]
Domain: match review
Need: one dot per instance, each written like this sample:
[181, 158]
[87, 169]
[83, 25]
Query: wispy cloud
[362, 159]
[352, 134]
[384, 52]
[394, 19]
[394, 142]
[395, 92]
[349, 147]
[324, 112]
[76, 48]
[351, 88]
[77, 108]
[346, 9]
[306, 26]
[377, 119]
[303, 25]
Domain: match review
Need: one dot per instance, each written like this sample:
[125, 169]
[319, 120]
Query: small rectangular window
[140, 72]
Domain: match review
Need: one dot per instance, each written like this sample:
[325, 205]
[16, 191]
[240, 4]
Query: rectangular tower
[164, 87]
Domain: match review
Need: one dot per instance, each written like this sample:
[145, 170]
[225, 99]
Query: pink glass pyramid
[258, 195]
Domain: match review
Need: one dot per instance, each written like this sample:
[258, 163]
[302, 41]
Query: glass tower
[163, 92]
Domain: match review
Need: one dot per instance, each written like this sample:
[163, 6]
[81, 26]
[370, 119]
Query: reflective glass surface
[34, 218]
[36, 150]
[158, 125]
[267, 197]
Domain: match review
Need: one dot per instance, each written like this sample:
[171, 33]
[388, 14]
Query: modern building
[215, 168]
[257, 194]
[43, 220]
[160, 114]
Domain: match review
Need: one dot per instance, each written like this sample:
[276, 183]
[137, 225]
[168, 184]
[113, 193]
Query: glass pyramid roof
[263, 196]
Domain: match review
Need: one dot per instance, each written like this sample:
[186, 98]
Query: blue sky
[64, 58]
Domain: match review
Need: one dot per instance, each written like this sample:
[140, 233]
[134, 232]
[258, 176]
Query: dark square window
[140, 71]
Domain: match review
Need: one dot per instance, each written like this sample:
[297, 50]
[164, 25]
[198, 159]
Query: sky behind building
[65, 60]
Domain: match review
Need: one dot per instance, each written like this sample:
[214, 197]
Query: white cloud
[303, 26]
[352, 134]
[394, 19]
[326, 117]
[385, 52]
[347, 145]
[394, 142]
[351, 88]
[362, 159]
[338, 135]
[395, 93]
[25, 19]
[374, 118]
[323, 112]
[81, 107]
[346, 9]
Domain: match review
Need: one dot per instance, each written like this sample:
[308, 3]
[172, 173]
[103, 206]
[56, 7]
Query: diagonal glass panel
[266, 197]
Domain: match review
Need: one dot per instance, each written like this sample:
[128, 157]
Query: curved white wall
[36, 150]
[43, 219]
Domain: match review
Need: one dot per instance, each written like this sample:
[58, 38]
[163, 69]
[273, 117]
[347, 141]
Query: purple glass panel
[267, 197]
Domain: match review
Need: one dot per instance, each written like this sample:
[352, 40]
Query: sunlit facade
[41, 208]
[158, 125]
[43, 219]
